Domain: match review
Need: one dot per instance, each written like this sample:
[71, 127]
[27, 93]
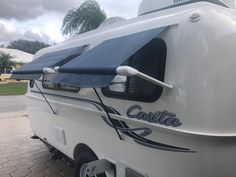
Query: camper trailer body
[187, 131]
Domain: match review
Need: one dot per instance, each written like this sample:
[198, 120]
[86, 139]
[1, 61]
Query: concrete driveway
[12, 104]
[21, 156]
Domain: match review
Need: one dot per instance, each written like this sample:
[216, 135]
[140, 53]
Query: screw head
[195, 17]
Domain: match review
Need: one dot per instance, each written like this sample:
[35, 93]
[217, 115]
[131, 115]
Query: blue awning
[97, 67]
[34, 70]
[84, 80]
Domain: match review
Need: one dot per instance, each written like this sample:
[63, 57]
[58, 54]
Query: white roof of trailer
[167, 17]
[149, 6]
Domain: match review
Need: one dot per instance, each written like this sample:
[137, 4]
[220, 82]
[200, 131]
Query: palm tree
[86, 17]
[5, 62]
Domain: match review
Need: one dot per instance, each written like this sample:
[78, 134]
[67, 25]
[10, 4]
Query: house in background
[19, 57]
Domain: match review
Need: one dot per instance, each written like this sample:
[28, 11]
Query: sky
[41, 19]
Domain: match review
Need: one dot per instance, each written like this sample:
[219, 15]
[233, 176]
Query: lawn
[18, 88]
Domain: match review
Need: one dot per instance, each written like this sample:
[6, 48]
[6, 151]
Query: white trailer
[148, 97]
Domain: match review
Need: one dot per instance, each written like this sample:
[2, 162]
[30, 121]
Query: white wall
[150, 5]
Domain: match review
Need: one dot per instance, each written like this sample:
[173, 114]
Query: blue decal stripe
[123, 127]
[146, 142]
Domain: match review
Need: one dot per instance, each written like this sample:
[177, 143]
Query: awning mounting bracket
[108, 115]
[45, 98]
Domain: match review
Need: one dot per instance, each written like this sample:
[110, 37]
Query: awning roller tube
[34, 70]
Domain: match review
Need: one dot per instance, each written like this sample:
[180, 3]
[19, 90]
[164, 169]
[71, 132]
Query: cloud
[41, 19]
[28, 9]
[30, 35]
[12, 30]
[125, 8]
[23, 10]
[2, 27]
[6, 33]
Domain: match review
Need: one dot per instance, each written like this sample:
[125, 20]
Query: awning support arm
[45, 98]
[108, 115]
[129, 71]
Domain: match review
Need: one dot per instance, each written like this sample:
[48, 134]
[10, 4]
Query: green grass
[18, 88]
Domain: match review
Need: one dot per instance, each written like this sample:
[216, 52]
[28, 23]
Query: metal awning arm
[129, 71]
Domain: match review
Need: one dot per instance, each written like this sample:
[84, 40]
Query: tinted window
[149, 60]
[48, 84]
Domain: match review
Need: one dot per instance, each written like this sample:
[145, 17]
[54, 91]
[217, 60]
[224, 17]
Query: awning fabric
[97, 67]
[34, 70]
[84, 80]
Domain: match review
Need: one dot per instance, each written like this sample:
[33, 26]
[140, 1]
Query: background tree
[5, 62]
[27, 46]
[86, 17]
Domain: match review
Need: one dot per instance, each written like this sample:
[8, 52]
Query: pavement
[21, 156]
[12, 104]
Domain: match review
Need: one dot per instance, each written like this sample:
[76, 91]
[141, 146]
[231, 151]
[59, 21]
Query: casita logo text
[164, 118]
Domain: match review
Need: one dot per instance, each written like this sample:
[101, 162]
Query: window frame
[58, 88]
[158, 89]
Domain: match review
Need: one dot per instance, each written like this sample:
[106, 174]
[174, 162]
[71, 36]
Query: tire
[83, 158]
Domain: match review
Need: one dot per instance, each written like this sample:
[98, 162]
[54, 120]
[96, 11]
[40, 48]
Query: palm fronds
[86, 17]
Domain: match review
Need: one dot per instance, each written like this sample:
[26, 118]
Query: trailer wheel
[81, 159]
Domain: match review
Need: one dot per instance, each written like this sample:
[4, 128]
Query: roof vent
[149, 6]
